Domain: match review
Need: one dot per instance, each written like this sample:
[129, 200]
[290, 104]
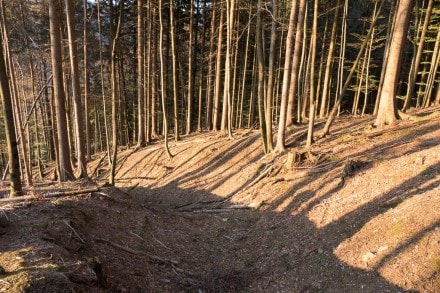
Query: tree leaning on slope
[387, 112]
[11, 141]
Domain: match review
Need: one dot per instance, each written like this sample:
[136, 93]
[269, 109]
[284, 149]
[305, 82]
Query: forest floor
[359, 213]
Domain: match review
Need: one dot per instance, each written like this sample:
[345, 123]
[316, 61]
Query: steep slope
[358, 213]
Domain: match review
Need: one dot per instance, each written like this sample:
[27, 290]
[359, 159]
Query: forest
[192, 91]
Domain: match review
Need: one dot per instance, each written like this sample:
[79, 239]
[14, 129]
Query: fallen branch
[153, 258]
[74, 231]
[48, 196]
[220, 210]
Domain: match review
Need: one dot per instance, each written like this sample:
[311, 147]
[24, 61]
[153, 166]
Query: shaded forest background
[131, 72]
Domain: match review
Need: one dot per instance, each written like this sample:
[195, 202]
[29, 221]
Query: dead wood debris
[185, 275]
[48, 196]
[153, 258]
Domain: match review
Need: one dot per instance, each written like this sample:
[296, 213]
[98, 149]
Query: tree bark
[65, 165]
[190, 94]
[115, 91]
[296, 61]
[76, 92]
[329, 62]
[270, 77]
[286, 80]
[218, 65]
[140, 72]
[312, 99]
[174, 76]
[11, 141]
[162, 81]
[387, 112]
[86, 84]
[260, 75]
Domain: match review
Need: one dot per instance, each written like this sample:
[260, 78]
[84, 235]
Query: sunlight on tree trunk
[387, 112]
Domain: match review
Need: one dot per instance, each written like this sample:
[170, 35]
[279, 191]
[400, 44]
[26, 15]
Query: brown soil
[357, 213]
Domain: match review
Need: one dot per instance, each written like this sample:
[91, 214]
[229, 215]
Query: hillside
[359, 213]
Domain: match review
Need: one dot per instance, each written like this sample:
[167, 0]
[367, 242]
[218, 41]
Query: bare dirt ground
[359, 213]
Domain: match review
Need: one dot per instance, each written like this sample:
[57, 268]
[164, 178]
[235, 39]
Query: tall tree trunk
[162, 81]
[245, 66]
[11, 142]
[65, 165]
[312, 99]
[86, 83]
[76, 91]
[260, 76]
[154, 76]
[104, 103]
[226, 125]
[115, 90]
[270, 77]
[201, 69]
[211, 65]
[387, 112]
[391, 21]
[296, 61]
[190, 95]
[140, 72]
[218, 71]
[286, 80]
[174, 76]
[27, 170]
[148, 73]
[329, 63]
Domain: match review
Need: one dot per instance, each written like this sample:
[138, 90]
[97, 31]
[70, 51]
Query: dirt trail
[360, 213]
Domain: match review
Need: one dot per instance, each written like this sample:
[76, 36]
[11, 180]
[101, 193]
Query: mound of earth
[359, 212]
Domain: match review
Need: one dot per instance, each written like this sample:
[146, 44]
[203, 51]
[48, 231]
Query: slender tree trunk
[11, 142]
[312, 99]
[226, 125]
[416, 63]
[245, 66]
[218, 71]
[329, 63]
[162, 81]
[76, 91]
[15, 99]
[104, 104]
[296, 61]
[86, 83]
[435, 60]
[140, 72]
[209, 86]
[174, 76]
[65, 165]
[286, 80]
[148, 74]
[364, 44]
[114, 89]
[260, 62]
[270, 77]
[201, 70]
[190, 94]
